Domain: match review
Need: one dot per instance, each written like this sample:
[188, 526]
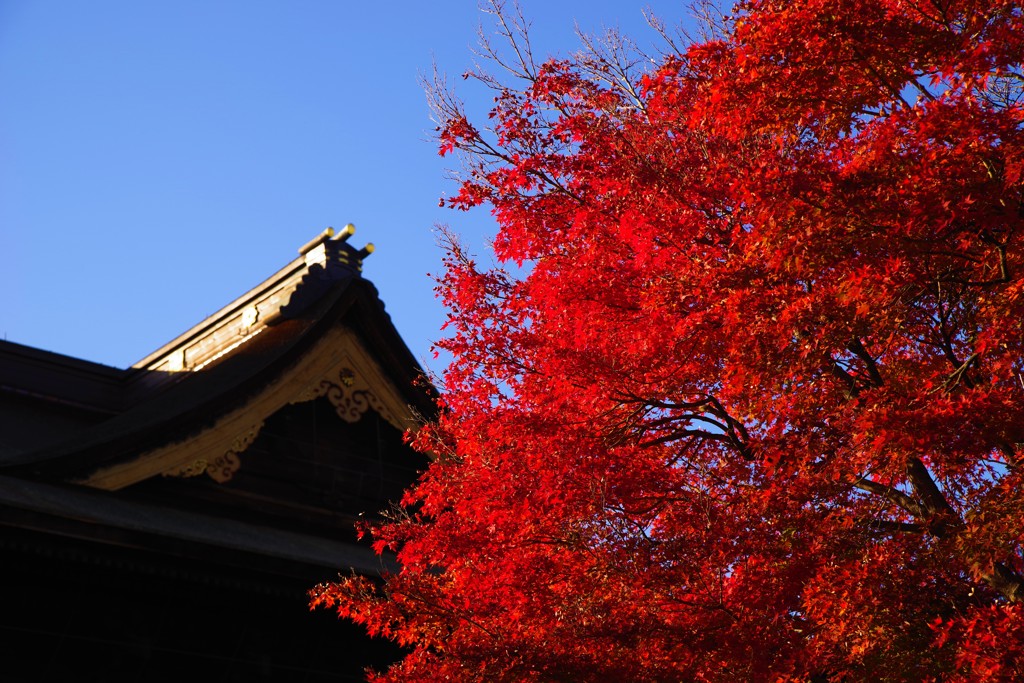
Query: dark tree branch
[856, 347]
[894, 496]
[928, 491]
[890, 526]
[945, 520]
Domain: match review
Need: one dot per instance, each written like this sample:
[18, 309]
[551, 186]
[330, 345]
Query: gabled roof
[315, 329]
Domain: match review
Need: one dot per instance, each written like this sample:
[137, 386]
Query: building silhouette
[166, 520]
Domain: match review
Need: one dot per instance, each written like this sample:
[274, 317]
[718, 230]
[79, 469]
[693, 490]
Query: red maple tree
[750, 406]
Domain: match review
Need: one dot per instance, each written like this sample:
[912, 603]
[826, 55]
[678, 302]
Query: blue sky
[158, 159]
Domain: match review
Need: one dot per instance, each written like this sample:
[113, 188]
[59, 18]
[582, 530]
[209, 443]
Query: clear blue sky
[158, 159]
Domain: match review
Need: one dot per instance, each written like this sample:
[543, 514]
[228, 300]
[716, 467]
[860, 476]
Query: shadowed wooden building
[166, 521]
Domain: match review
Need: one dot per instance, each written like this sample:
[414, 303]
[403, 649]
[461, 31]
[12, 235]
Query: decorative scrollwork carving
[245, 439]
[193, 469]
[350, 405]
[223, 467]
[350, 397]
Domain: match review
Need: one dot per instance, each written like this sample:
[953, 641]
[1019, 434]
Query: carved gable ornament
[338, 368]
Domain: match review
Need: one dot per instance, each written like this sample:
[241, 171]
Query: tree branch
[928, 491]
[894, 496]
[890, 526]
[1006, 581]
[856, 347]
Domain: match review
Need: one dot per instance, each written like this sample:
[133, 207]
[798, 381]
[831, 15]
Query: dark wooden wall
[71, 611]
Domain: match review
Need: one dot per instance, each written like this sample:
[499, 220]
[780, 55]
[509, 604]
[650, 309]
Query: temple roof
[315, 330]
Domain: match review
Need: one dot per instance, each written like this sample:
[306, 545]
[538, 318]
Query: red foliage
[753, 407]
